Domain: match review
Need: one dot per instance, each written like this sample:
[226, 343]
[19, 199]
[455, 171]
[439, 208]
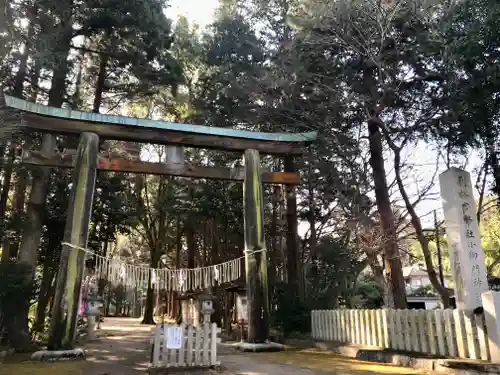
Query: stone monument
[462, 230]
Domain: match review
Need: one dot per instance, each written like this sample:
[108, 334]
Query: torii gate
[87, 160]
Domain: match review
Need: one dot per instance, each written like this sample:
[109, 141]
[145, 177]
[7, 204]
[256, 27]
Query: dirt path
[124, 348]
[305, 362]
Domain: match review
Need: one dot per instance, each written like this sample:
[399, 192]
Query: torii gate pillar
[62, 334]
[255, 259]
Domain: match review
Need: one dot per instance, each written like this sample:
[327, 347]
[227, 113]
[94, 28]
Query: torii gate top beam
[66, 121]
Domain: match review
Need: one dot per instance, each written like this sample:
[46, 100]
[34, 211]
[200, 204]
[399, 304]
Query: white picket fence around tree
[199, 347]
[446, 333]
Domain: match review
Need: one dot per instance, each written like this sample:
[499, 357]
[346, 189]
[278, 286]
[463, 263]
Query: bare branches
[415, 220]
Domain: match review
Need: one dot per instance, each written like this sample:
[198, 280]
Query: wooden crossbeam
[61, 160]
[159, 136]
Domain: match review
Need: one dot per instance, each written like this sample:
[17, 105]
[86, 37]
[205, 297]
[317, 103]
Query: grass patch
[326, 361]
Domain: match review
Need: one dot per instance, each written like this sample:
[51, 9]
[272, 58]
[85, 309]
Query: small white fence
[446, 333]
[198, 346]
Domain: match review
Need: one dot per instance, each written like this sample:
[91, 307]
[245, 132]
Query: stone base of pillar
[91, 327]
[58, 355]
[260, 347]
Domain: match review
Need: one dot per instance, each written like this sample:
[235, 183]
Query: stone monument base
[58, 355]
[260, 347]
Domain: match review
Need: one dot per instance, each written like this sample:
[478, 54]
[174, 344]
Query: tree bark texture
[191, 244]
[23, 61]
[213, 233]
[32, 228]
[101, 79]
[4, 196]
[30, 241]
[150, 305]
[18, 202]
[178, 249]
[255, 251]
[44, 295]
[62, 333]
[393, 268]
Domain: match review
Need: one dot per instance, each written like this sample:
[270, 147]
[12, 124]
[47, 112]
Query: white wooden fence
[199, 347]
[445, 333]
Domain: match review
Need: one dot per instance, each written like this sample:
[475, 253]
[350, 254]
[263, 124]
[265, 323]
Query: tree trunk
[118, 300]
[34, 78]
[215, 259]
[150, 305]
[23, 62]
[178, 248]
[101, 79]
[36, 206]
[52, 292]
[204, 260]
[32, 229]
[228, 311]
[393, 268]
[77, 95]
[46, 288]
[482, 190]
[495, 167]
[4, 196]
[378, 274]
[18, 202]
[417, 225]
[191, 244]
[102, 282]
[155, 255]
[2, 150]
[108, 301]
[45, 293]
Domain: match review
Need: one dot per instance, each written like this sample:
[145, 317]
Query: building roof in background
[416, 270]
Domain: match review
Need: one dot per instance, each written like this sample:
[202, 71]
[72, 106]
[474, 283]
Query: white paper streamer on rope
[118, 272]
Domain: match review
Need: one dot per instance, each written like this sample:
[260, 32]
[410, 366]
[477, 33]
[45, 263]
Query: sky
[423, 156]
[200, 12]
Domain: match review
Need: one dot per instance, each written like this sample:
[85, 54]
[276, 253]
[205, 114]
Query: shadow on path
[123, 348]
[306, 362]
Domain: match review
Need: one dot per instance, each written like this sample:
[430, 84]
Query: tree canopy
[374, 79]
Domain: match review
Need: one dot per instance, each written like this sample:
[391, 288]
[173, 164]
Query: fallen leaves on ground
[43, 368]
